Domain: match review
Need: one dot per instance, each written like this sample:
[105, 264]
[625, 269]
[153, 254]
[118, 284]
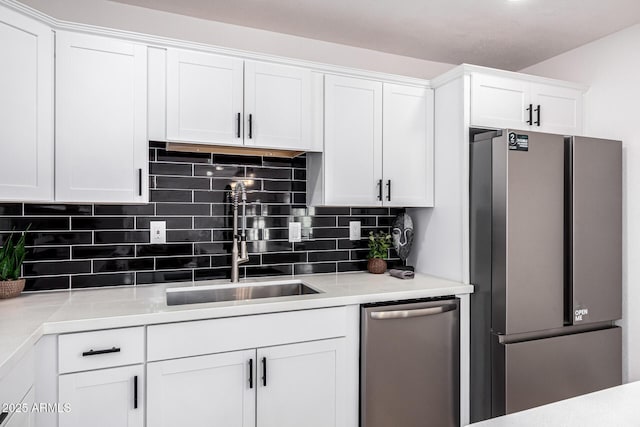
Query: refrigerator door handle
[403, 314]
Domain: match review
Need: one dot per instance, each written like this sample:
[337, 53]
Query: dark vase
[376, 265]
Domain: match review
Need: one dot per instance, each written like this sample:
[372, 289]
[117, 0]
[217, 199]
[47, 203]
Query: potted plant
[11, 258]
[379, 244]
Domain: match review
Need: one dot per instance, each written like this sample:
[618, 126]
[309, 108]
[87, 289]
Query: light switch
[295, 232]
[158, 232]
[354, 230]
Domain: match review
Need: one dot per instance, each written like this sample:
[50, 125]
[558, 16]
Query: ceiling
[504, 34]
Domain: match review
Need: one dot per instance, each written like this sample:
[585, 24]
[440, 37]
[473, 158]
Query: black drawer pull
[3, 416]
[264, 371]
[389, 190]
[238, 128]
[94, 352]
[135, 392]
[537, 110]
[139, 182]
[250, 373]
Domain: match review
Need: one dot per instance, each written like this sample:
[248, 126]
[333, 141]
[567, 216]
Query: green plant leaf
[12, 256]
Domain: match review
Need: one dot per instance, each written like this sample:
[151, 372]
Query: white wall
[611, 66]
[137, 19]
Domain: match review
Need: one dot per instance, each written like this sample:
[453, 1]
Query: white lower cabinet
[302, 385]
[211, 390]
[103, 398]
[24, 417]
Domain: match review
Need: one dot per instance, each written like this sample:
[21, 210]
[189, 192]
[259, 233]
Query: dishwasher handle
[402, 314]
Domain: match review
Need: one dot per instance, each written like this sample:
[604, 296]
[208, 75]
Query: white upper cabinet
[557, 109]
[219, 100]
[503, 102]
[204, 97]
[378, 145]
[353, 141]
[407, 147]
[26, 108]
[101, 119]
[277, 106]
[499, 102]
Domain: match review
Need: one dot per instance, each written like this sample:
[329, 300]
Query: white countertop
[616, 406]
[26, 318]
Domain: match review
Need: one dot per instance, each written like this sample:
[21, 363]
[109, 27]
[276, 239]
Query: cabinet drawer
[100, 349]
[236, 333]
[15, 385]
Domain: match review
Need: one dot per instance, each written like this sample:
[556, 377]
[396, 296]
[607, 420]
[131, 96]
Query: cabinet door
[353, 141]
[407, 146]
[101, 119]
[103, 398]
[302, 385]
[499, 102]
[25, 417]
[560, 109]
[213, 390]
[26, 108]
[277, 106]
[204, 97]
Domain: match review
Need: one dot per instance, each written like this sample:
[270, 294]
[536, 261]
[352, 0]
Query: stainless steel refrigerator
[546, 262]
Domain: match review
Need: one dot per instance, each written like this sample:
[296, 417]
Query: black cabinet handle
[3, 416]
[530, 110]
[140, 182]
[250, 126]
[95, 352]
[537, 122]
[238, 126]
[135, 392]
[264, 371]
[389, 190]
[250, 373]
[380, 189]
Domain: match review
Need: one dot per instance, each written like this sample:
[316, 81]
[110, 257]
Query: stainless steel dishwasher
[410, 364]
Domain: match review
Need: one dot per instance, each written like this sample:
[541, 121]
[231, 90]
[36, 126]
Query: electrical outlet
[354, 230]
[295, 232]
[157, 232]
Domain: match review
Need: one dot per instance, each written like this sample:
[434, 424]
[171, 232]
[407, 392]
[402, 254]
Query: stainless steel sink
[244, 291]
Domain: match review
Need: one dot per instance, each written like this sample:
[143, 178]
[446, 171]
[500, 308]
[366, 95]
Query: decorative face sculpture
[402, 235]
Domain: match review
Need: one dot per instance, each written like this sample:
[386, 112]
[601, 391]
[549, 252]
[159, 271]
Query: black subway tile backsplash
[10, 209]
[83, 245]
[102, 251]
[102, 223]
[52, 210]
[121, 264]
[124, 209]
[98, 280]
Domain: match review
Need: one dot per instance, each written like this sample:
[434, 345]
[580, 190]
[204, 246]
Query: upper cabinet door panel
[353, 141]
[204, 97]
[277, 106]
[408, 146]
[560, 109]
[499, 102]
[26, 108]
[101, 117]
